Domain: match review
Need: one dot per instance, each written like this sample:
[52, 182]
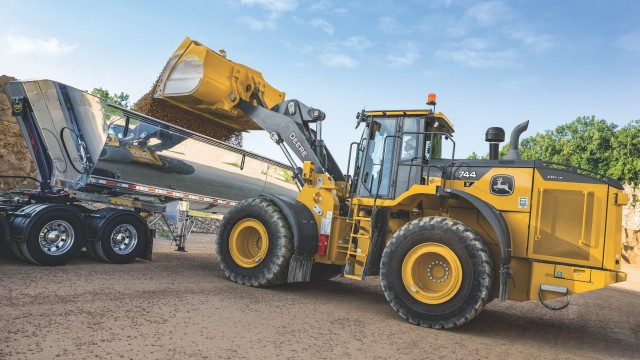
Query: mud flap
[305, 236]
[147, 253]
[299, 269]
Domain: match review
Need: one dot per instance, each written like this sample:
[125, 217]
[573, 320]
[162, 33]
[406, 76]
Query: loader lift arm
[205, 82]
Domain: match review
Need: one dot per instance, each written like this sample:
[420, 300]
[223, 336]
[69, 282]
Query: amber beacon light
[431, 99]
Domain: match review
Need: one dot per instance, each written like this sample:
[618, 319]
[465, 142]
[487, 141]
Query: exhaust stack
[514, 152]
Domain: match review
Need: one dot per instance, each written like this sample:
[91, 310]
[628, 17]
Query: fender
[499, 225]
[303, 225]
[21, 220]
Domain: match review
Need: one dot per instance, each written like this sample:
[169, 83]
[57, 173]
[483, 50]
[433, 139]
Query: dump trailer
[106, 173]
[444, 235]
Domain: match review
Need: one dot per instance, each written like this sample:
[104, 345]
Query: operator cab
[396, 148]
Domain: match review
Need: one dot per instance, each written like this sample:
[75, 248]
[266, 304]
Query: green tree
[588, 143]
[475, 156]
[120, 99]
[625, 161]
[584, 142]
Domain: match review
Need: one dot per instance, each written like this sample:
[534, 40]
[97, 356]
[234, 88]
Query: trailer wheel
[176, 166]
[52, 234]
[436, 272]
[120, 235]
[254, 243]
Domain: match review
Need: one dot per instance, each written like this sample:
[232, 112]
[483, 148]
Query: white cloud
[328, 7]
[479, 53]
[274, 9]
[514, 83]
[489, 13]
[406, 56]
[322, 25]
[276, 6]
[357, 42]
[629, 42]
[537, 42]
[257, 24]
[479, 58]
[339, 60]
[387, 24]
[305, 49]
[19, 44]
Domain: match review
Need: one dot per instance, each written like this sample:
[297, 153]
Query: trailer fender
[21, 220]
[303, 225]
[499, 225]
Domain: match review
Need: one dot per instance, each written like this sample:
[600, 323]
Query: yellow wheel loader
[444, 235]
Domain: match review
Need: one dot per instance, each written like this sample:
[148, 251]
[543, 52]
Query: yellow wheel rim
[248, 243]
[432, 273]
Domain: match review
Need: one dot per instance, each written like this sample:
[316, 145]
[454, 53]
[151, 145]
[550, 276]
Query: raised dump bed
[88, 150]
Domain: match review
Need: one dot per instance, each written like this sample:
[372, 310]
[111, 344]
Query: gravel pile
[161, 109]
[14, 155]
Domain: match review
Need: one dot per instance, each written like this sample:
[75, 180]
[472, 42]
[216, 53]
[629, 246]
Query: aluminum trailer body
[88, 150]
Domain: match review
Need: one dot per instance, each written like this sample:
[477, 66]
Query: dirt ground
[181, 306]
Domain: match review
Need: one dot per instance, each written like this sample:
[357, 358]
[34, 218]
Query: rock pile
[631, 226]
[14, 155]
[161, 109]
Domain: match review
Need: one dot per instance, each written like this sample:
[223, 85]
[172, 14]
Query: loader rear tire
[437, 272]
[255, 243]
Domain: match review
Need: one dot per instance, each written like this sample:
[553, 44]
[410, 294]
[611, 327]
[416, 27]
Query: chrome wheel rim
[56, 237]
[124, 239]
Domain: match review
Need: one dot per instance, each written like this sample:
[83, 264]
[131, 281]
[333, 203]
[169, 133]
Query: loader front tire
[437, 272]
[255, 243]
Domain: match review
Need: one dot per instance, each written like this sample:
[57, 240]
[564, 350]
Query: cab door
[378, 160]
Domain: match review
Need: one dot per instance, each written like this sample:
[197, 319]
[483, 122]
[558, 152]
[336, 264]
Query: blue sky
[492, 63]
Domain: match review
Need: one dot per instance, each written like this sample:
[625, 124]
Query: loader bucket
[200, 80]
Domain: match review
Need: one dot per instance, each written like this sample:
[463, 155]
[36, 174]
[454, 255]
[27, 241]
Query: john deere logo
[17, 106]
[502, 185]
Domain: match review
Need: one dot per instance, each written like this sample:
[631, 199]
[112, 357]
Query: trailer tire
[176, 166]
[255, 243]
[436, 272]
[52, 234]
[120, 235]
[13, 245]
[5, 248]
[91, 250]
